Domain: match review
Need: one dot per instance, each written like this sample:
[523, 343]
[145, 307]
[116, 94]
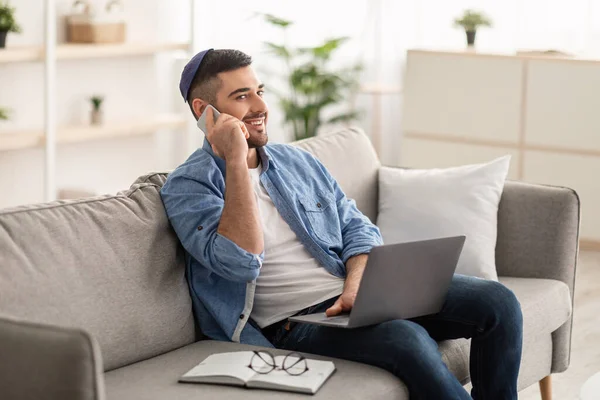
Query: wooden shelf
[85, 133]
[21, 54]
[87, 51]
[21, 139]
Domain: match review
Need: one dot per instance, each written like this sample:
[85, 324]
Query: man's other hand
[355, 267]
[344, 303]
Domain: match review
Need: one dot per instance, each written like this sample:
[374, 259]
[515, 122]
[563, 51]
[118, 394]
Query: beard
[258, 139]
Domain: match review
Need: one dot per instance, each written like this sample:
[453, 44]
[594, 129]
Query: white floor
[585, 356]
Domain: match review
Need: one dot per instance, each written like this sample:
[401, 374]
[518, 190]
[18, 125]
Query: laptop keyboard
[336, 318]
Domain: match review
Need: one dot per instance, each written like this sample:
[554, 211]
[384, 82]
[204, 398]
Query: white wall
[382, 30]
[132, 85]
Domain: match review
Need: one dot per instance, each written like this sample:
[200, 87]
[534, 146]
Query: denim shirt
[221, 275]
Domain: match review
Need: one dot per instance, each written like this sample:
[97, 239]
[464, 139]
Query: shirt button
[319, 205]
[200, 228]
[242, 316]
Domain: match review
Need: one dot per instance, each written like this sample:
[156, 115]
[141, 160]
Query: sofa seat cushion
[455, 353]
[545, 303]
[156, 379]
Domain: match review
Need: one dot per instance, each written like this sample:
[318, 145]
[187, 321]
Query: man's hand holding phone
[227, 135]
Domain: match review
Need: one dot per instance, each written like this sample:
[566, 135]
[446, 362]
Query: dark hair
[206, 84]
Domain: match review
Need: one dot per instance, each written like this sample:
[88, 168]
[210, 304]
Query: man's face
[241, 95]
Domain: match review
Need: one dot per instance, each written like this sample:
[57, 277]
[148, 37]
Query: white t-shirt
[290, 278]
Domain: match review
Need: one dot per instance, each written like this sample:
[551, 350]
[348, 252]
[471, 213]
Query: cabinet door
[563, 104]
[470, 96]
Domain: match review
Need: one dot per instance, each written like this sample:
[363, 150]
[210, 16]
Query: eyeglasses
[263, 362]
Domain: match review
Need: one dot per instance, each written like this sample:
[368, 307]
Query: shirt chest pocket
[321, 215]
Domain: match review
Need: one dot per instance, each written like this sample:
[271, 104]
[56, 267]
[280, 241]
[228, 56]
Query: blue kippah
[189, 72]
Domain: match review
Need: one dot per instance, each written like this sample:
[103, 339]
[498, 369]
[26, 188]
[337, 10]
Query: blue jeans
[484, 311]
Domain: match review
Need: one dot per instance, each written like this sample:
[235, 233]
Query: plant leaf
[326, 49]
[278, 50]
[7, 19]
[273, 20]
[472, 19]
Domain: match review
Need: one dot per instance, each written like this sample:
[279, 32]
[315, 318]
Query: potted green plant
[96, 115]
[7, 22]
[311, 84]
[3, 114]
[470, 21]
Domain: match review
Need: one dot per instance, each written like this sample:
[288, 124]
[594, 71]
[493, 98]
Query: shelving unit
[51, 134]
[18, 140]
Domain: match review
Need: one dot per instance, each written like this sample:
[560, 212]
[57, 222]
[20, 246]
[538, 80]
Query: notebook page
[234, 364]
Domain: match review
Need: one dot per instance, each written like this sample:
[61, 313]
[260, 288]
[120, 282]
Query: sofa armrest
[48, 362]
[538, 232]
[538, 237]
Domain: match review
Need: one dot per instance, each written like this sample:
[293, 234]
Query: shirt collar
[266, 158]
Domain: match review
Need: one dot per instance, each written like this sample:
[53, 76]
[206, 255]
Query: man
[268, 233]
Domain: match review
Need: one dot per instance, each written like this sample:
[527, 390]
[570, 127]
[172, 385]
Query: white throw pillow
[420, 204]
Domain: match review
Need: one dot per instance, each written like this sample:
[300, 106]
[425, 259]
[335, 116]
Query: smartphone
[202, 120]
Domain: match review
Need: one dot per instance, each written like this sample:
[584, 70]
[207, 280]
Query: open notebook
[232, 369]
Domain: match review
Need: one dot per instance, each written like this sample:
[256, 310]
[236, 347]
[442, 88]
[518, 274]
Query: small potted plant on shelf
[470, 21]
[3, 114]
[96, 115]
[7, 22]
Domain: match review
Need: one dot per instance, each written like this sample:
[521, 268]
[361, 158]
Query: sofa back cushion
[111, 265]
[351, 159]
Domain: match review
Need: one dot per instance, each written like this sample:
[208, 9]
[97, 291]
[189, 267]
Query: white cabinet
[467, 107]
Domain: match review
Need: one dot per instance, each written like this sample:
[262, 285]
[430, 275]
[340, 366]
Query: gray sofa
[94, 303]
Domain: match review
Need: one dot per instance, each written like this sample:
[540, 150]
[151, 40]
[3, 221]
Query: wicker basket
[78, 32]
[88, 26]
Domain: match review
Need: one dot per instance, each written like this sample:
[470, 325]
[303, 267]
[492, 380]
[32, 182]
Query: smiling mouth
[255, 122]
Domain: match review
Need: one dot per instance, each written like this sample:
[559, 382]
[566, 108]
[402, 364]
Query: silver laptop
[400, 281]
